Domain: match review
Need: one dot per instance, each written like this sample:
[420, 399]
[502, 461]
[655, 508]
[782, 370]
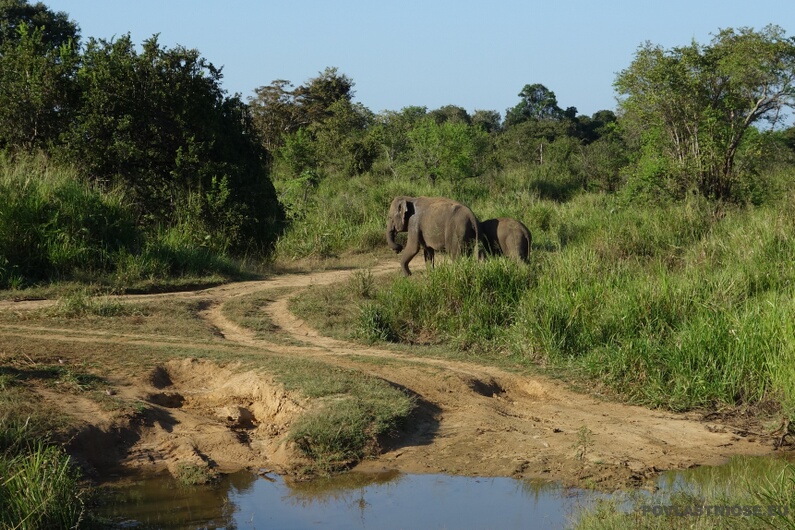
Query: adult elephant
[433, 223]
[506, 236]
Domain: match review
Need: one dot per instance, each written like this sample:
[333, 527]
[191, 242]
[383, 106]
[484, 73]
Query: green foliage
[346, 427]
[81, 304]
[38, 58]
[39, 490]
[694, 105]
[298, 154]
[194, 474]
[335, 216]
[538, 103]
[778, 490]
[390, 132]
[351, 412]
[158, 124]
[52, 226]
[155, 124]
[465, 302]
[341, 142]
[674, 305]
[279, 109]
[710, 488]
[39, 486]
[451, 151]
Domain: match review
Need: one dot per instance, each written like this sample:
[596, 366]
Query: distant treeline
[155, 126]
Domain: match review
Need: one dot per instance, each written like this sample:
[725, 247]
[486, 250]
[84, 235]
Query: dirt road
[472, 419]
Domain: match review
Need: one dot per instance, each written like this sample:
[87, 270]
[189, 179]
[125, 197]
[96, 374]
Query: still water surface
[355, 500]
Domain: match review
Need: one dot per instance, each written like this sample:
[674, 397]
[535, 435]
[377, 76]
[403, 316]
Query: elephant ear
[404, 208]
[407, 212]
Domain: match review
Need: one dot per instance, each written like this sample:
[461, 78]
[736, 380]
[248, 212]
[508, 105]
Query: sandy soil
[471, 420]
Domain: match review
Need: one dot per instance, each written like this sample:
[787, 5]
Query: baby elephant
[506, 236]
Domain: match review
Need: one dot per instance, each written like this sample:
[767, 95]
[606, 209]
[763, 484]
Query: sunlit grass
[741, 486]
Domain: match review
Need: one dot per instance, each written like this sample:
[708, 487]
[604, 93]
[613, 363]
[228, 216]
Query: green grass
[742, 482]
[675, 305]
[40, 489]
[39, 485]
[350, 412]
[194, 474]
[465, 303]
[347, 425]
[678, 306]
[56, 227]
[333, 309]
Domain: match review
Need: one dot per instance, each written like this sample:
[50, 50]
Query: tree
[57, 29]
[274, 113]
[449, 151]
[38, 59]
[316, 98]
[315, 128]
[538, 103]
[691, 107]
[452, 113]
[488, 120]
[342, 143]
[159, 124]
[390, 134]
[279, 109]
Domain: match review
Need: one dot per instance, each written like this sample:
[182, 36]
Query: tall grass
[674, 305]
[345, 215]
[465, 303]
[39, 485]
[693, 316]
[55, 226]
[39, 489]
[51, 225]
[743, 484]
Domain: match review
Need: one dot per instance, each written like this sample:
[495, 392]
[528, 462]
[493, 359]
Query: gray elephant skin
[433, 224]
[506, 236]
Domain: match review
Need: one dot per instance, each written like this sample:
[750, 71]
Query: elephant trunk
[391, 232]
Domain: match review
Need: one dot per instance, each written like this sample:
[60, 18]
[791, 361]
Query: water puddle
[353, 500]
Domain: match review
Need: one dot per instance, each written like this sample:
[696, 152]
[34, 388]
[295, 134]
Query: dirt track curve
[472, 419]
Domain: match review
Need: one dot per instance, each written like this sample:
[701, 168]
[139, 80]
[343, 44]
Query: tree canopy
[155, 122]
[538, 103]
[692, 106]
[38, 59]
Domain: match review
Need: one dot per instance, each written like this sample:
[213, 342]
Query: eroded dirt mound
[201, 414]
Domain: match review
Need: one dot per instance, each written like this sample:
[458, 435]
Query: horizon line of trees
[157, 123]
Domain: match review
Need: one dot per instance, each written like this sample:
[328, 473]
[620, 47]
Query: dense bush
[54, 225]
[51, 225]
[156, 124]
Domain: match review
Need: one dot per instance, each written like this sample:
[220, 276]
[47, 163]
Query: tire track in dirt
[486, 421]
[475, 420]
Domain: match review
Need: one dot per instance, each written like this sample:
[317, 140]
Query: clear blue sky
[471, 53]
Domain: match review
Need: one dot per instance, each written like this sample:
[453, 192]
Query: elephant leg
[411, 250]
[429, 255]
[453, 245]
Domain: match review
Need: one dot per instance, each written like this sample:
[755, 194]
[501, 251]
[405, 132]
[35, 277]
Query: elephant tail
[478, 240]
[529, 242]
